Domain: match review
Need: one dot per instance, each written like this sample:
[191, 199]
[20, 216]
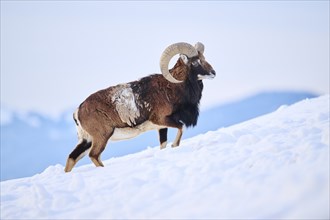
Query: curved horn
[171, 51]
[199, 47]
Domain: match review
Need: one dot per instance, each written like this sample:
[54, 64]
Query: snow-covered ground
[54, 138]
[275, 166]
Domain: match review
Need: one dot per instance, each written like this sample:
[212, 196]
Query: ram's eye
[196, 63]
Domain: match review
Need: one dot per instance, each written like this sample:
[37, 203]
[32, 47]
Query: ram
[155, 102]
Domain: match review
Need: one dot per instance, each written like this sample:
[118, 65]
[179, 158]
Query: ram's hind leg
[79, 152]
[95, 153]
[98, 146]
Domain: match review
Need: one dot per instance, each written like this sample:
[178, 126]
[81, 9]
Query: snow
[272, 167]
[54, 138]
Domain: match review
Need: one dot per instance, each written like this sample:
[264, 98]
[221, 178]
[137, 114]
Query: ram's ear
[184, 58]
[199, 47]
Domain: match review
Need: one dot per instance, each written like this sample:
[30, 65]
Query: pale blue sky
[55, 53]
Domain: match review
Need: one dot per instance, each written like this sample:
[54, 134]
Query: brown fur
[180, 70]
[156, 100]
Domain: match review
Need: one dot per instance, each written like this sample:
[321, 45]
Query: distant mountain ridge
[32, 142]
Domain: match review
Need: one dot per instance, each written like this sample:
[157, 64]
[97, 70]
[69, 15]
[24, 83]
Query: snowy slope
[54, 139]
[274, 166]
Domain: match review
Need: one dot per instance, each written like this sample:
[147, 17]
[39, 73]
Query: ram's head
[191, 57]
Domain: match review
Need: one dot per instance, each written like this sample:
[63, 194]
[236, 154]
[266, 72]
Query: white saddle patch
[124, 100]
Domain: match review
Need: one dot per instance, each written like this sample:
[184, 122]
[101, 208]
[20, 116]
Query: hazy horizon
[54, 53]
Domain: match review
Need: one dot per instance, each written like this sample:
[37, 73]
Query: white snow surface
[275, 166]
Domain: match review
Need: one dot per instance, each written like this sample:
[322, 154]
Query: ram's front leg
[169, 121]
[162, 137]
[177, 140]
